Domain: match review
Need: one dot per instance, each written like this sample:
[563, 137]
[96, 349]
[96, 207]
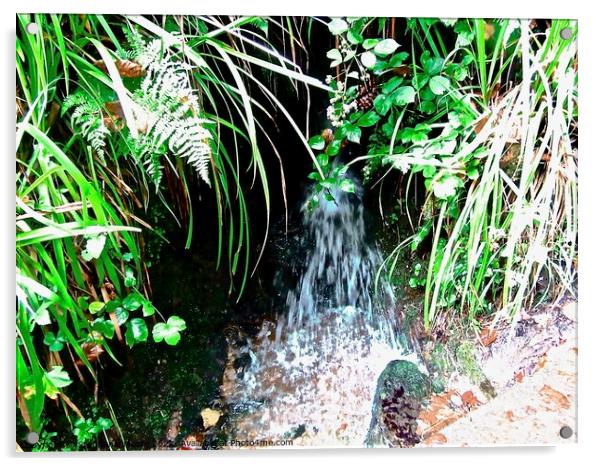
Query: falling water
[340, 271]
[312, 373]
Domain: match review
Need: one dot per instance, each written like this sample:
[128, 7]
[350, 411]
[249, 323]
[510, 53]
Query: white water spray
[313, 372]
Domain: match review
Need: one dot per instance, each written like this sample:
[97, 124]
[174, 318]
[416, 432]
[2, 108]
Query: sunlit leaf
[368, 59]
[439, 84]
[136, 331]
[386, 47]
[337, 26]
[317, 142]
[94, 247]
[368, 119]
[404, 95]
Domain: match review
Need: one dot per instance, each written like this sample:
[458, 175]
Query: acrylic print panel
[286, 232]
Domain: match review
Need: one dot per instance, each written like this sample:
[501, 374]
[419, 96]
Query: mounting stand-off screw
[566, 432]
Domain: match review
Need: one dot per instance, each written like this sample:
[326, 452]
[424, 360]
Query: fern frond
[87, 119]
[172, 107]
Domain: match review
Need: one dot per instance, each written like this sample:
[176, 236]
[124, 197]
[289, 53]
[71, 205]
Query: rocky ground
[533, 370]
[520, 388]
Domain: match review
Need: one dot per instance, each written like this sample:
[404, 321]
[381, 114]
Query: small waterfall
[340, 271]
[312, 373]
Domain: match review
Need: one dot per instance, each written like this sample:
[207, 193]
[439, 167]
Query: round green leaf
[398, 59]
[429, 171]
[110, 306]
[58, 377]
[392, 84]
[95, 307]
[369, 43]
[167, 333]
[472, 173]
[386, 47]
[147, 308]
[420, 80]
[439, 84]
[53, 343]
[105, 327]
[136, 331]
[433, 65]
[337, 26]
[368, 59]
[405, 95]
[333, 148]
[130, 278]
[427, 107]
[352, 132]
[335, 56]
[133, 301]
[368, 119]
[159, 331]
[103, 423]
[383, 103]
[122, 315]
[347, 185]
[177, 323]
[317, 142]
[354, 37]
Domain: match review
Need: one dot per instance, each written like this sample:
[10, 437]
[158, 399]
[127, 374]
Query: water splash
[315, 369]
[340, 270]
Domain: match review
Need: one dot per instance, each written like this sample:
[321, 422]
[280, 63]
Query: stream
[312, 373]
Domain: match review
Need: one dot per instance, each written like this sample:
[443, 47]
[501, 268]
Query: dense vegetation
[119, 118]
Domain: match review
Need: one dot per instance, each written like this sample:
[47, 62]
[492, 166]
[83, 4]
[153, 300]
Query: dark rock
[400, 392]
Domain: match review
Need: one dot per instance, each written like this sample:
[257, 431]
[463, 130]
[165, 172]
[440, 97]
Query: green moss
[403, 374]
[465, 355]
[440, 359]
[438, 385]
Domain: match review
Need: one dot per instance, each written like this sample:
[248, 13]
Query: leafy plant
[457, 116]
[144, 101]
[169, 331]
[86, 430]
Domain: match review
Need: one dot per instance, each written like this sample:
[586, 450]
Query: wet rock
[296, 432]
[438, 385]
[404, 374]
[516, 354]
[400, 392]
[210, 417]
[174, 426]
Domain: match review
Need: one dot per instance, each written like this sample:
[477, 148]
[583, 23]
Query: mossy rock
[469, 366]
[403, 374]
[438, 385]
[399, 379]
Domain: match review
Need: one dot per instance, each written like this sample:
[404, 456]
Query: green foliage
[479, 116]
[87, 116]
[86, 430]
[137, 331]
[169, 331]
[54, 380]
[418, 277]
[431, 108]
[465, 354]
[54, 342]
[107, 106]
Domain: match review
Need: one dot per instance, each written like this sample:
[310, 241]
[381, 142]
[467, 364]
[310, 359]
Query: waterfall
[314, 370]
[340, 270]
